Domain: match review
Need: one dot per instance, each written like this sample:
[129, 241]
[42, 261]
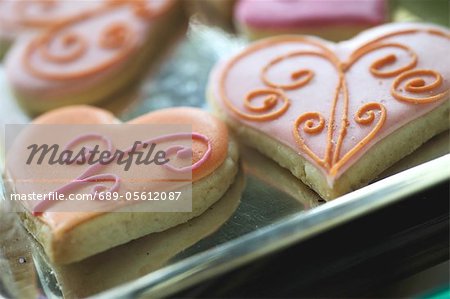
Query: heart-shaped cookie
[69, 235]
[338, 114]
[89, 57]
[20, 16]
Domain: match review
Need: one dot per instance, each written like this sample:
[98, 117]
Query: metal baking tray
[265, 210]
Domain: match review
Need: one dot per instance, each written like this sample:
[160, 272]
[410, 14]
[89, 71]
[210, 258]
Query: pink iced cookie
[91, 58]
[20, 16]
[337, 115]
[330, 19]
[70, 231]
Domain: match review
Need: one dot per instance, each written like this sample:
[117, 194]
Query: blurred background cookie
[93, 57]
[21, 16]
[333, 20]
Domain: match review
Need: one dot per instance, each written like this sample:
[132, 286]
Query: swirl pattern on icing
[40, 13]
[70, 47]
[365, 116]
[272, 96]
[45, 13]
[409, 85]
[276, 91]
[419, 86]
[376, 67]
[314, 123]
[66, 51]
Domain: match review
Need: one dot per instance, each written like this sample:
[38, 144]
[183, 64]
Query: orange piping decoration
[439, 33]
[418, 85]
[268, 103]
[68, 40]
[279, 92]
[366, 109]
[344, 121]
[300, 77]
[114, 36]
[364, 116]
[109, 38]
[23, 19]
[117, 36]
[389, 59]
[308, 118]
[141, 9]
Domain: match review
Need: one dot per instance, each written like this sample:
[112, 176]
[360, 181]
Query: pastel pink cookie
[338, 114]
[90, 58]
[330, 19]
[20, 16]
[70, 231]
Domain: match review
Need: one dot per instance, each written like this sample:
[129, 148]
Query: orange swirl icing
[419, 86]
[310, 125]
[309, 119]
[117, 36]
[313, 122]
[269, 103]
[368, 110]
[376, 66]
[300, 77]
[21, 8]
[75, 42]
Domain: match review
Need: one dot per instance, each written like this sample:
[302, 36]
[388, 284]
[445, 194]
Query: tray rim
[295, 228]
